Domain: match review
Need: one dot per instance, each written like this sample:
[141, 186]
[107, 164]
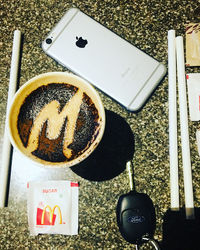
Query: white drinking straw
[173, 148]
[6, 154]
[187, 172]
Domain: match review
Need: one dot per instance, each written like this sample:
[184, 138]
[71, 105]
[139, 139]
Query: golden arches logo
[51, 213]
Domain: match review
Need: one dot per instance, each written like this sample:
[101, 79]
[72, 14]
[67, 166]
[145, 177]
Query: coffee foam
[50, 120]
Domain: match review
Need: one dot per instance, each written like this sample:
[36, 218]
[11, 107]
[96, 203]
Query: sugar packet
[193, 85]
[53, 207]
[193, 44]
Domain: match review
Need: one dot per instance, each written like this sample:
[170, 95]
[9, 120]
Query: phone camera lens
[48, 40]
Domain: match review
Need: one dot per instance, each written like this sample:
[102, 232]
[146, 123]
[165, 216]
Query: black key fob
[135, 216]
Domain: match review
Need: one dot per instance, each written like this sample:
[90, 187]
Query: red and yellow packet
[53, 207]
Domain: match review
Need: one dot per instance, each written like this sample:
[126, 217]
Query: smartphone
[104, 59]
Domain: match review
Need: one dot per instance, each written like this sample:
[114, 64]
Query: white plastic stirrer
[6, 154]
[173, 148]
[187, 171]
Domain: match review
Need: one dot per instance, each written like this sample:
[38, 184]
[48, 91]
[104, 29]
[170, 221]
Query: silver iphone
[104, 59]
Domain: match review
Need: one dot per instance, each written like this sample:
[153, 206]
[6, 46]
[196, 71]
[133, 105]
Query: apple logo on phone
[81, 43]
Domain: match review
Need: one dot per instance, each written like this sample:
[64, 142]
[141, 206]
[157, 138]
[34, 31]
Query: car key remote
[136, 215]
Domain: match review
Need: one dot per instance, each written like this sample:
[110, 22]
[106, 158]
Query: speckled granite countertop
[145, 24]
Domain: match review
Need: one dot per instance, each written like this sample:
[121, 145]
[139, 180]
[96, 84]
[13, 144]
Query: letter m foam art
[53, 207]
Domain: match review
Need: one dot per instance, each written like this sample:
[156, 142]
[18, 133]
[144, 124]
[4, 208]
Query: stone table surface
[145, 24]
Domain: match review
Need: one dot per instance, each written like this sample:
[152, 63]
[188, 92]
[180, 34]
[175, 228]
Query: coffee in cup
[56, 119]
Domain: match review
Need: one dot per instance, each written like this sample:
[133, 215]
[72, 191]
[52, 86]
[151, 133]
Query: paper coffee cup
[56, 119]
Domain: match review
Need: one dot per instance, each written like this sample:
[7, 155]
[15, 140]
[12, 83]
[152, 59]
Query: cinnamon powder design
[57, 122]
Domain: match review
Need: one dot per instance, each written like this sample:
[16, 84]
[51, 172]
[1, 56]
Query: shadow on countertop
[110, 157]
